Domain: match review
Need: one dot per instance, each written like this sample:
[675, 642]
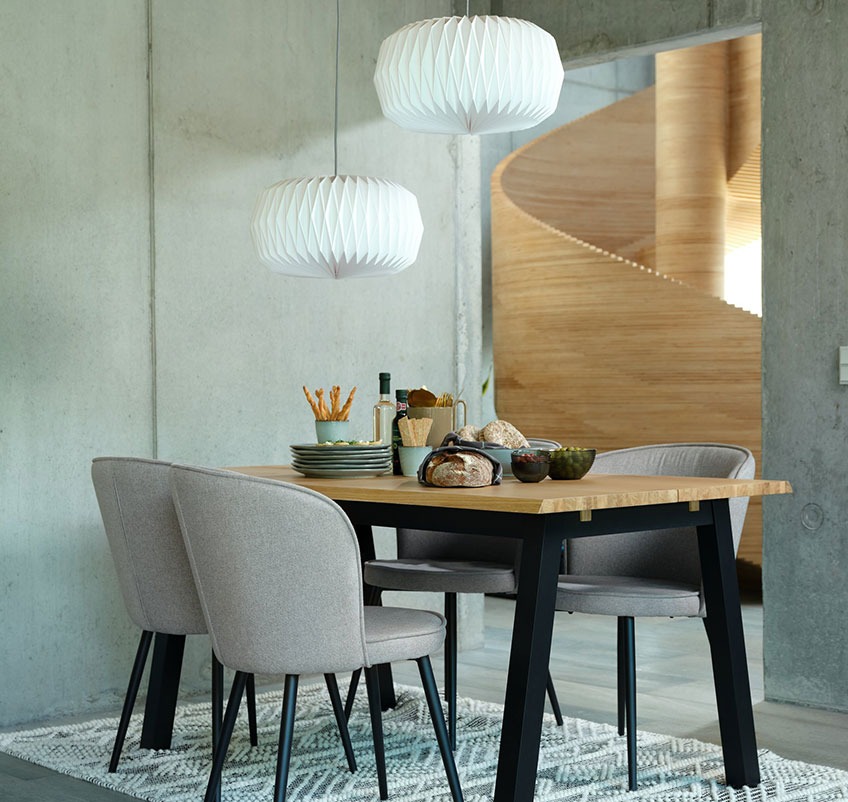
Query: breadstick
[312, 403]
[322, 407]
[346, 408]
[335, 402]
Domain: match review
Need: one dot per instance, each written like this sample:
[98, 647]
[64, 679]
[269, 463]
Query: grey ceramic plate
[356, 473]
[324, 458]
[342, 464]
[313, 448]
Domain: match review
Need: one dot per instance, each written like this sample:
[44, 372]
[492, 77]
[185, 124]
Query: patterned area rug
[582, 762]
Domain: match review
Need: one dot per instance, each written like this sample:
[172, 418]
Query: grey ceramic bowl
[504, 456]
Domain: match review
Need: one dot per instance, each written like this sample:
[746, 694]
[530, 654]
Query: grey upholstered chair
[278, 571]
[153, 571]
[647, 573]
[444, 562]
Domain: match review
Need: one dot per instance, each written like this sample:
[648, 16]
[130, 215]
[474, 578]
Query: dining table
[542, 516]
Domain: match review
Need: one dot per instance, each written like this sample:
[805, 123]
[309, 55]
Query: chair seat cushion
[627, 596]
[441, 576]
[398, 633]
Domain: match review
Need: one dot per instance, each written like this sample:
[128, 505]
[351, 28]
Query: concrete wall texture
[134, 318]
[805, 320]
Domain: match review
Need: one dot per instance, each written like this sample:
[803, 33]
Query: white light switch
[843, 364]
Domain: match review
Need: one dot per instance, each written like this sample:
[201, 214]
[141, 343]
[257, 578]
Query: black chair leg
[129, 700]
[341, 719]
[351, 692]
[251, 710]
[372, 685]
[431, 692]
[630, 698]
[286, 730]
[553, 700]
[217, 709]
[621, 668]
[450, 665]
[236, 692]
[217, 700]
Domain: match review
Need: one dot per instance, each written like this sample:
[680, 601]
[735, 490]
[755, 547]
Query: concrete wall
[75, 355]
[805, 320]
[135, 318]
[805, 293]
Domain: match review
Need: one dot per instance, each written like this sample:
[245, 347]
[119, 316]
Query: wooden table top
[593, 492]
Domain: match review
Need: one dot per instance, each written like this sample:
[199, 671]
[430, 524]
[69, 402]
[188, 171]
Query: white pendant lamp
[469, 75]
[336, 226]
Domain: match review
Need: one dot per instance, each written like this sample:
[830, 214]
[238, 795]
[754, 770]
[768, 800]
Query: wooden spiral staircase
[592, 345]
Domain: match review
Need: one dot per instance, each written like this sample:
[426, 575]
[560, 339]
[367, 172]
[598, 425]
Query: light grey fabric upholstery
[444, 562]
[441, 576]
[669, 555]
[277, 567]
[146, 544]
[612, 595]
[398, 633]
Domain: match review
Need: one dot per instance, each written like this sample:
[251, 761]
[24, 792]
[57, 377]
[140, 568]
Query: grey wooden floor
[675, 693]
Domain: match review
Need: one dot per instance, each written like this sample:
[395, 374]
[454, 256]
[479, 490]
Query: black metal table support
[727, 648]
[162, 689]
[524, 703]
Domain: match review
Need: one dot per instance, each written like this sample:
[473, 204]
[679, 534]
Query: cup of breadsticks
[331, 422]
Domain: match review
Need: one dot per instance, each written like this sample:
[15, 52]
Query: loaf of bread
[469, 432]
[459, 470]
[503, 432]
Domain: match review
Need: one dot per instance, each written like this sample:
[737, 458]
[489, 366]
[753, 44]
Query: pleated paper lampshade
[338, 226]
[469, 75]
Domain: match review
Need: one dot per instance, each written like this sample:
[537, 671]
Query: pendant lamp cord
[467, 8]
[336, 107]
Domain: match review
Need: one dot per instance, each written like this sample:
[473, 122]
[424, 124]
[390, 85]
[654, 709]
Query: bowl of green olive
[571, 462]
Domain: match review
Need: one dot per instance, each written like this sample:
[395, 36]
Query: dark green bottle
[401, 397]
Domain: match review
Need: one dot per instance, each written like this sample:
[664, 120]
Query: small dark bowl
[572, 464]
[530, 464]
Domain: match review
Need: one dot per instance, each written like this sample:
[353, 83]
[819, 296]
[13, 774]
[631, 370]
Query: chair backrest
[668, 553]
[418, 544]
[278, 571]
[146, 544]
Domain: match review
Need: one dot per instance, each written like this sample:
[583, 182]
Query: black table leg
[524, 704]
[727, 647]
[162, 690]
[365, 536]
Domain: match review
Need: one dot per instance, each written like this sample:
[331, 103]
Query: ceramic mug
[411, 457]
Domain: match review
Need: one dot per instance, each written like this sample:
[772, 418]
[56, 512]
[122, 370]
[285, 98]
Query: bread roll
[503, 432]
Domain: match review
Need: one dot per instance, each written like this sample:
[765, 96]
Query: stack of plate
[341, 462]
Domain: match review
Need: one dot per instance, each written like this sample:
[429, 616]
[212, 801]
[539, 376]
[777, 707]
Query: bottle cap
[401, 395]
